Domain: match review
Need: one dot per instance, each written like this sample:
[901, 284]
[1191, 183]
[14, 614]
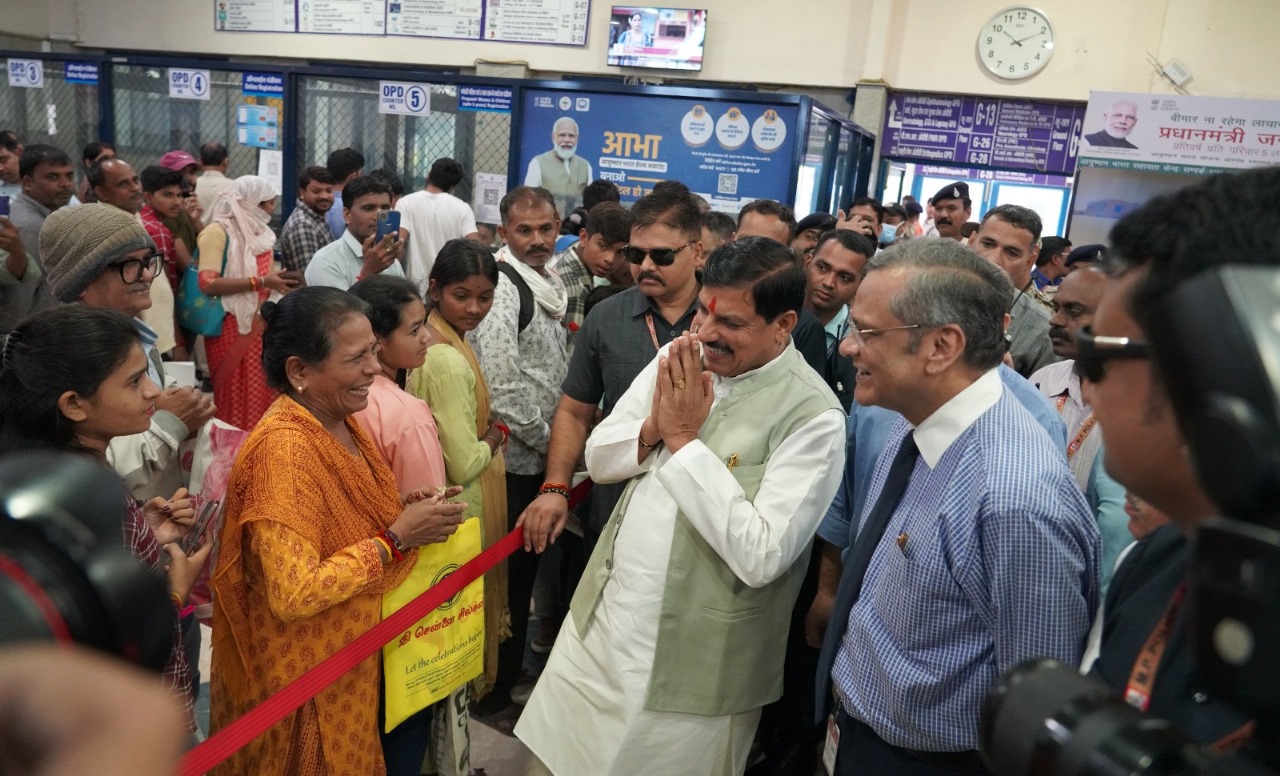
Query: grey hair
[1019, 217]
[947, 283]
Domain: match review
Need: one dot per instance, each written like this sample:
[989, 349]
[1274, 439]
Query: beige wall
[740, 47]
[1229, 46]
[925, 45]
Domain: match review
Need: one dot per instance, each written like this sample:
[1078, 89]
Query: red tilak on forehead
[712, 305]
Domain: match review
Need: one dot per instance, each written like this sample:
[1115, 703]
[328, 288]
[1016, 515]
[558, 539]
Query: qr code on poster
[491, 197]
[728, 184]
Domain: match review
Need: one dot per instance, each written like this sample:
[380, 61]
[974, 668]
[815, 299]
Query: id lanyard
[653, 332]
[1088, 425]
[1142, 679]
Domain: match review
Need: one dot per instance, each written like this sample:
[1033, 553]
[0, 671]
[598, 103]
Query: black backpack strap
[526, 294]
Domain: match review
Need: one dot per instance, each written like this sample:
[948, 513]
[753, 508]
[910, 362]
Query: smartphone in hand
[209, 512]
[4, 208]
[388, 223]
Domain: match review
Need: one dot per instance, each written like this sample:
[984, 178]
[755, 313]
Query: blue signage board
[496, 99]
[727, 151]
[262, 84]
[81, 73]
[1031, 135]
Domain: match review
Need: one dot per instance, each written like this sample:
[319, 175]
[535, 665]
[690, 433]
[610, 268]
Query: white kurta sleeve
[760, 539]
[612, 448]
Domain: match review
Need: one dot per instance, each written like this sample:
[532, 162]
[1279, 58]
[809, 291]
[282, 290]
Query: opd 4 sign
[27, 73]
[188, 84]
[404, 99]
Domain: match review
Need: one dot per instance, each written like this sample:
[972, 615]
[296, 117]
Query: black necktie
[895, 485]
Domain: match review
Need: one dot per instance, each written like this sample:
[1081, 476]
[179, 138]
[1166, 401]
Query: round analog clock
[1016, 42]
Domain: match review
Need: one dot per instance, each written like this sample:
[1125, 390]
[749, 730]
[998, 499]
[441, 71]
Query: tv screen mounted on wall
[663, 38]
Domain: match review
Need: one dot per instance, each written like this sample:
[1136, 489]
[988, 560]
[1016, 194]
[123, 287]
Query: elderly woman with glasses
[234, 260]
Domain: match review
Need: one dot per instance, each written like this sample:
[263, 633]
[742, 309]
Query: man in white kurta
[592, 711]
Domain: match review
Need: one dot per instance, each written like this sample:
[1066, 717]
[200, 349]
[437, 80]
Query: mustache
[1059, 333]
[718, 345]
[650, 276]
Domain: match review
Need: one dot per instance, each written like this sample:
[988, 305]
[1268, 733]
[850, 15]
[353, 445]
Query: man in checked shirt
[976, 549]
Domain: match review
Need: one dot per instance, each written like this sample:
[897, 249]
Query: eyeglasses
[860, 336]
[1093, 352]
[663, 257]
[132, 270]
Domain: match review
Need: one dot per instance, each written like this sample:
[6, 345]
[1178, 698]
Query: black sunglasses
[1093, 352]
[663, 257]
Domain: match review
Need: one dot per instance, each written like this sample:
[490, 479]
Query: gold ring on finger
[680, 384]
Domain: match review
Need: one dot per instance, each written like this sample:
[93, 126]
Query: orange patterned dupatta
[493, 489]
[300, 506]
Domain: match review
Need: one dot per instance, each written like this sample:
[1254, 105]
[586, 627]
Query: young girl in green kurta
[450, 382]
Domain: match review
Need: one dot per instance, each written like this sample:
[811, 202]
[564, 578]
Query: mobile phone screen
[193, 540]
[4, 207]
[388, 223]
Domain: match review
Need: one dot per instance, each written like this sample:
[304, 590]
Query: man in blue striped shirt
[992, 555]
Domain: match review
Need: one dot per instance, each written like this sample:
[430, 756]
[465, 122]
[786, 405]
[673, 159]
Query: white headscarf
[248, 236]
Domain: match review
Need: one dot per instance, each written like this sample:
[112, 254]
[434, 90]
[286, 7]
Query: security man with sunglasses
[1224, 219]
[617, 340]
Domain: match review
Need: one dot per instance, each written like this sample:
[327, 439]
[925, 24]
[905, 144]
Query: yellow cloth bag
[444, 650]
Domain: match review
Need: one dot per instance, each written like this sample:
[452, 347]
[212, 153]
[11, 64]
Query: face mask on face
[888, 233]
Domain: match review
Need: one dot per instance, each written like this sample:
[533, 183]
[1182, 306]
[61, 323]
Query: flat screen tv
[663, 38]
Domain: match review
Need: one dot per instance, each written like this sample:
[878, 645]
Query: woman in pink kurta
[404, 431]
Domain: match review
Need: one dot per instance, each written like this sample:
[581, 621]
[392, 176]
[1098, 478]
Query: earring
[301, 389]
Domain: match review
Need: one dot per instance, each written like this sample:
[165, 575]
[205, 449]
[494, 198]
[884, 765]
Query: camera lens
[1045, 718]
[65, 574]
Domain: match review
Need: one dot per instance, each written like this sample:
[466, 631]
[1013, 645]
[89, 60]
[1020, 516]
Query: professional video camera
[1217, 340]
[65, 574]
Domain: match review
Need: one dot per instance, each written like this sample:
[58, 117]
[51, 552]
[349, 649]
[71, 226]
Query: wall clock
[1016, 42]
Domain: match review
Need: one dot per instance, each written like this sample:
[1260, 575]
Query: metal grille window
[343, 112]
[149, 124]
[60, 114]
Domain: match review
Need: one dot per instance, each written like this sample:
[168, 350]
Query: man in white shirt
[679, 623]
[357, 254]
[1075, 304]
[432, 217]
[213, 180]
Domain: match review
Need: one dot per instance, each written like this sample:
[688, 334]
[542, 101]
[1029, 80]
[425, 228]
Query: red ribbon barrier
[230, 739]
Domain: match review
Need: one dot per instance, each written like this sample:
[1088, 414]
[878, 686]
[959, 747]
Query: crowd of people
[957, 417]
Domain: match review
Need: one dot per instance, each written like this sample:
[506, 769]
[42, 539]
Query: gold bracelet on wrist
[646, 445]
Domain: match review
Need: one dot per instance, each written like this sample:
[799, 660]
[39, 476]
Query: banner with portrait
[1176, 133]
[1134, 147]
[727, 151]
